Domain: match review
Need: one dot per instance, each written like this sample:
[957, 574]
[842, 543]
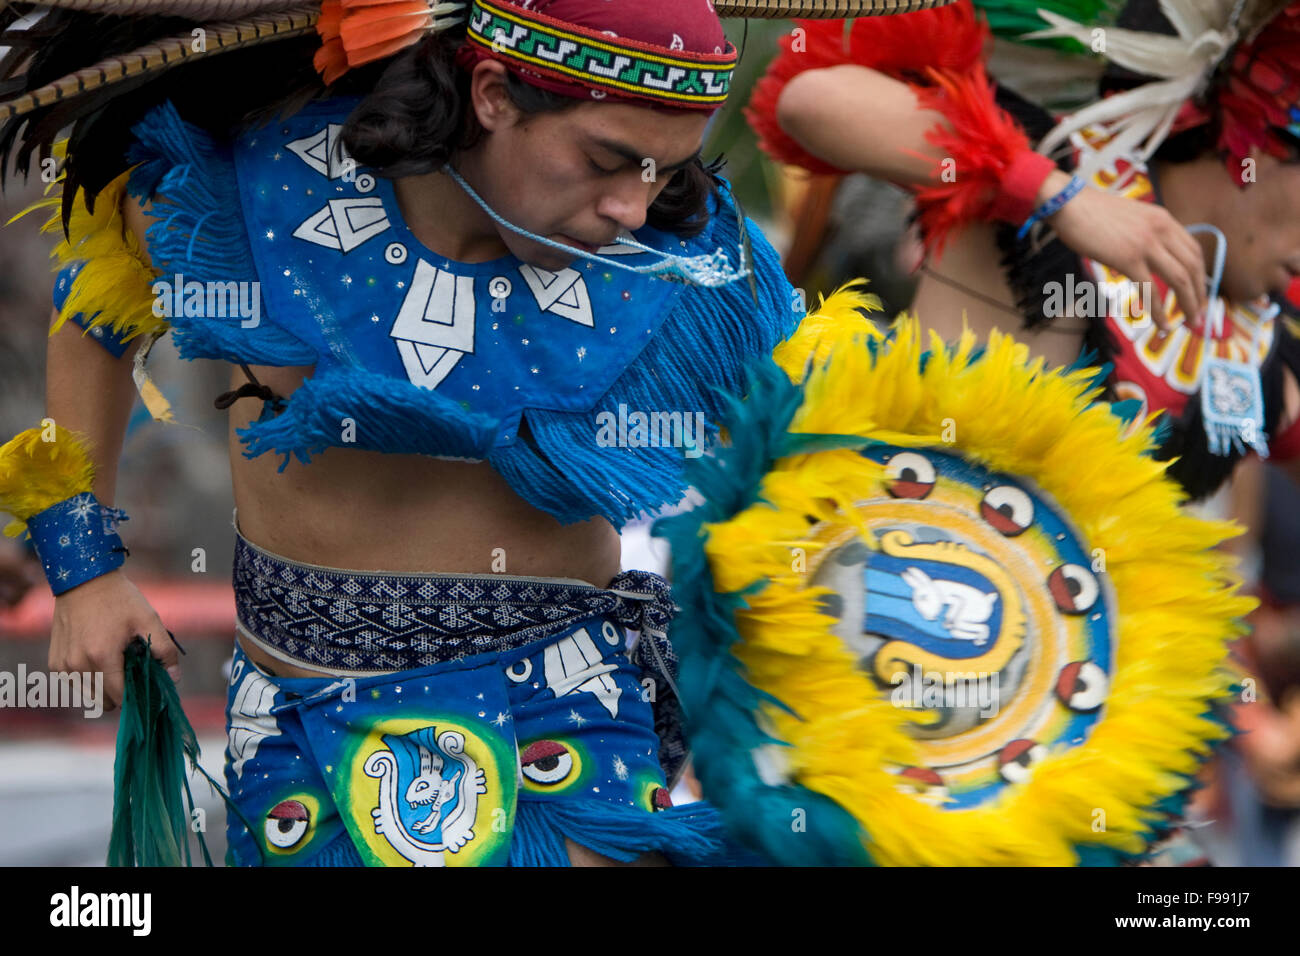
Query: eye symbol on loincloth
[287, 824]
[546, 762]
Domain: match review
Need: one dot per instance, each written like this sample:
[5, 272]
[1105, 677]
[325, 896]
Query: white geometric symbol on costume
[324, 152]
[395, 253]
[447, 782]
[344, 224]
[435, 325]
[574, 666]
[563, 292]
[250, 716]
[677, 43]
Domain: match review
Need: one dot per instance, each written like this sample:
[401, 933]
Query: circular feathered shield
[941, 608]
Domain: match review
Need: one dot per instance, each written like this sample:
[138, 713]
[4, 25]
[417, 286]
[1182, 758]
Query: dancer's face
[579, 176]
[1262, 225]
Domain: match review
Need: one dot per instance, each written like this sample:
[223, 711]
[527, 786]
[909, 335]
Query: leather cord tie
[252, 388]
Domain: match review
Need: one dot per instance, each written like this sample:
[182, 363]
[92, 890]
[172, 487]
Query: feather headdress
[89, 69]
[1207, 35]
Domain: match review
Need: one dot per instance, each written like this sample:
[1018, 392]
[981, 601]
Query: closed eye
[601, 169]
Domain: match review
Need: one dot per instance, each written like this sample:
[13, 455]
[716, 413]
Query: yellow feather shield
[999, 637]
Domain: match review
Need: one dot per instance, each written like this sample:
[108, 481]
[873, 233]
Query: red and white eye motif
[1008, 509]
[546, 762]
[1018, 758]
[909, 475]
[661, 799]
[287, 824]
[1074, 588]
[1082, 685]
[924, 783]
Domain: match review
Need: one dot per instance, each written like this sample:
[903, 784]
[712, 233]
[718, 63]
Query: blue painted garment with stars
[497, 361]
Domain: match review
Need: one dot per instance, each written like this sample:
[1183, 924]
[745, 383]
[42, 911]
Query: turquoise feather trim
[200, 235]
[152, 804]
[340, 852]
[718, 701]
[557, 463]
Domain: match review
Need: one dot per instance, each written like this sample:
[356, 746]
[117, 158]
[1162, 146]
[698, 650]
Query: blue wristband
[1052, 206]
[77, 540]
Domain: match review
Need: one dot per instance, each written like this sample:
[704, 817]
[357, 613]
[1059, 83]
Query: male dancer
[430, 665]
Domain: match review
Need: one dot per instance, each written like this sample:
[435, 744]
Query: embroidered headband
[583, 62]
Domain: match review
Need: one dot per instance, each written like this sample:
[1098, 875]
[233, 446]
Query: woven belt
[372, 621]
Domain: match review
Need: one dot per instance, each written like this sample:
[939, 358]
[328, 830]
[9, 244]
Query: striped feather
[190, 9]
[820, 9]
[165, 53]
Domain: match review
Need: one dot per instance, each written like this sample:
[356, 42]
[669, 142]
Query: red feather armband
[946, 38]
[988, 172]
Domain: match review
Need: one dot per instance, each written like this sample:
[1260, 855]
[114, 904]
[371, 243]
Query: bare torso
[972, 259]
[367, 510]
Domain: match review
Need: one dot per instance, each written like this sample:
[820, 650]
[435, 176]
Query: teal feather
[152, 804]
[783, 824]
[200, 234]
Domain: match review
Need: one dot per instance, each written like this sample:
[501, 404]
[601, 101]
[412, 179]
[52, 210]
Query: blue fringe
[390, 415]
[340, 852]
[201, 235]
[689, 835]
[698, 356]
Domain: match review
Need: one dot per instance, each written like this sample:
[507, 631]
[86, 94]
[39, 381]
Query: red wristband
[1018, 191]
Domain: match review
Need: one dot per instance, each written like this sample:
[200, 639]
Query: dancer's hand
[1136, 239]
[1271, 748]
[93, 624]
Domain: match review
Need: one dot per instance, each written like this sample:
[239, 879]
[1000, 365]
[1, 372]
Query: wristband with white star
[77, 540]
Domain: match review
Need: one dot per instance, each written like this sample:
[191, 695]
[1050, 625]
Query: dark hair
[417, 116]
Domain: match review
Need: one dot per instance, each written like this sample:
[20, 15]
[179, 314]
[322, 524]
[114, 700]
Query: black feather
[216, 93]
